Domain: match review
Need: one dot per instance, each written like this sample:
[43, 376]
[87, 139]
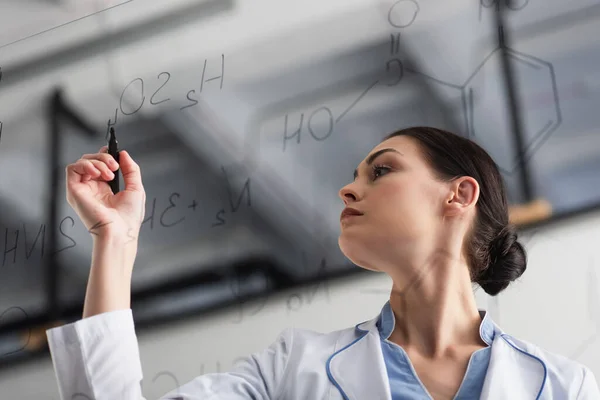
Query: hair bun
[508, 261]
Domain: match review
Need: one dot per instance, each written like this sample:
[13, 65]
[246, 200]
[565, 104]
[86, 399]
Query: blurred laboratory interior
[246, 118]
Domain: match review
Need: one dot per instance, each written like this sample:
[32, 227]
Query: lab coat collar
[512, 373]
[386, 323]
[358, 369]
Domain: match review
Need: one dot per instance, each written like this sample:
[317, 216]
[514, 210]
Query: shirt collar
[387, 321]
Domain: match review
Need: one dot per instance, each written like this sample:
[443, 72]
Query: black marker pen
[113, 150]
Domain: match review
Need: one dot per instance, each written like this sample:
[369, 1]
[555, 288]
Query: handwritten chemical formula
[22, 244]
[402, 15]
[137, 88]
[297, 300]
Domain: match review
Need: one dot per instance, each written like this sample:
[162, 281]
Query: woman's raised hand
[103, 213]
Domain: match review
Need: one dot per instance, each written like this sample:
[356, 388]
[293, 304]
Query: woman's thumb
[132, 176]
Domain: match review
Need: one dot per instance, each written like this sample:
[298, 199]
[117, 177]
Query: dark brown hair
[495, 256]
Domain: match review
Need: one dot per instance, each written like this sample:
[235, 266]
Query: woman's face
[400, 201]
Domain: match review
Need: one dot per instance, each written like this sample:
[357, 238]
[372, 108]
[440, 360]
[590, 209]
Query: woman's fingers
[102, 166]
[80, 171]
[104, 169]
[130, 170]
[106, 158]
[91, 169]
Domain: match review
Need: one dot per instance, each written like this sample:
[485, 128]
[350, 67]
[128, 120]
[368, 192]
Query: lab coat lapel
[358, 370]
[512, 373]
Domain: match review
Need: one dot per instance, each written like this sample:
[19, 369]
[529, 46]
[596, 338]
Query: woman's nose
[348, 194]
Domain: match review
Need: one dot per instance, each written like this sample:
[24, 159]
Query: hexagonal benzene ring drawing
[483, 93]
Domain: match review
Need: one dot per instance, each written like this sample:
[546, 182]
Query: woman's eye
[378, 169]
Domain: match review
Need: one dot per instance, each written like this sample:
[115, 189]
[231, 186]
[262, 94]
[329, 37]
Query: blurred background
[246, 119]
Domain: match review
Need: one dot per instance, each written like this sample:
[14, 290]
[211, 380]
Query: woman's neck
[435, 310]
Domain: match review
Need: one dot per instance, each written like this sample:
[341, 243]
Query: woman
[426, 207]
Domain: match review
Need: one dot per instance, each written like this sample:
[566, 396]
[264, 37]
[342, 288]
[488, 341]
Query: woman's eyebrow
[373, 156]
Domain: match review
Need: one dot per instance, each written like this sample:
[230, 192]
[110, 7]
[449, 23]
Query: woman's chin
[352, 251]
[368, 268]
[345, 245]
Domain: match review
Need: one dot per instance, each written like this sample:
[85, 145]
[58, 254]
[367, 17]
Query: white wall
[555, 305]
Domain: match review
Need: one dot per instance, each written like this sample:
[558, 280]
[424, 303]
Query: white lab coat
[98, 358]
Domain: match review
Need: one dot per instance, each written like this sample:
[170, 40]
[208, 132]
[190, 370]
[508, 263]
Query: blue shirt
[404, 383]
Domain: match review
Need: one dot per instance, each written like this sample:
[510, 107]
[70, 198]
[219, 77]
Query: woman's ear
[464, 193]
